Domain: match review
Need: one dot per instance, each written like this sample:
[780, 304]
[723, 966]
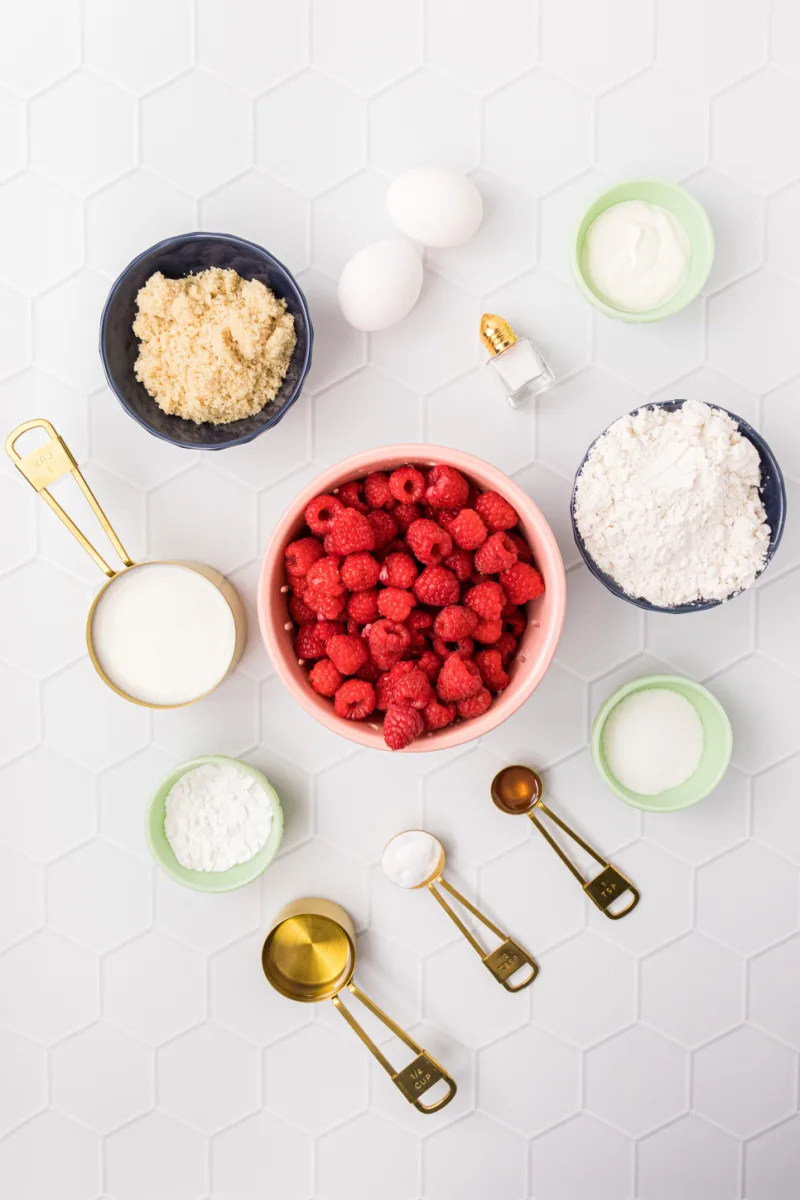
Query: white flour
[668, 505]
[216, 816]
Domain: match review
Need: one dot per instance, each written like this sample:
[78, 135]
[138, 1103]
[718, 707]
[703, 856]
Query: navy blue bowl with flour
[187, 254]
[773, 497]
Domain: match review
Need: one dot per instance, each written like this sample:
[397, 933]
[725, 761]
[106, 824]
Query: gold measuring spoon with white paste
[518, 791]
[211, 646]
[415, 859]
[310, 955]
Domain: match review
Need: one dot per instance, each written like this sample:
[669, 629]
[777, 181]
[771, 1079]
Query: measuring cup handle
[606, 887]
[414, 1080]
[48, 463]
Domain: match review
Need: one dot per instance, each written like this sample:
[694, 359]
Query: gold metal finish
[49, 463]
[518, 790]
[309, 955]
[496, 333]
[506, 959]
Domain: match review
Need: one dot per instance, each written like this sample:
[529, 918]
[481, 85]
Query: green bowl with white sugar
[211, 881]
[691, 215]
[714, 760]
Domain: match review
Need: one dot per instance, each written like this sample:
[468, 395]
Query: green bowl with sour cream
[691, 215]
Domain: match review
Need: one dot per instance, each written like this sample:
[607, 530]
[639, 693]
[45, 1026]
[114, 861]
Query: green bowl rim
[215, 881]
[646, 803]
[682, 299]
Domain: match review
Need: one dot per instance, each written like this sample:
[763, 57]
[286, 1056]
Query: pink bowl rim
[357, 466]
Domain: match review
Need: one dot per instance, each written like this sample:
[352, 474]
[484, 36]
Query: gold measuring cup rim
[309, 953]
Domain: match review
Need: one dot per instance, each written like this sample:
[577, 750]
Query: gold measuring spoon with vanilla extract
[160, 634]
[518, 791]
[415, 859]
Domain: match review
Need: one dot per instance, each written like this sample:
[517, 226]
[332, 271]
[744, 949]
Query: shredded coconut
[216, 816]
[668, 505]
[214, 347]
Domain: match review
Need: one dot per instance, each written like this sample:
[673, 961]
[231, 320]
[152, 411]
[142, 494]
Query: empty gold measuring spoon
[49, 462]
[415, 859]
[310, 955]
[518, 791]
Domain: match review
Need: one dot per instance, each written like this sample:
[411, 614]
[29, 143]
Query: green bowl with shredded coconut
[210, 880]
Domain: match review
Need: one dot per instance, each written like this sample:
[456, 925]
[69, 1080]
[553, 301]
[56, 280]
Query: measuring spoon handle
[604, 888]
[507, 959]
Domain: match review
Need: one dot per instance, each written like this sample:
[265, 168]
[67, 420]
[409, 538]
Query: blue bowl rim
[776, 531]
[243, 243]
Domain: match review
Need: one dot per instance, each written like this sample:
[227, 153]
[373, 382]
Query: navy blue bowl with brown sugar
[187, 254]
[773, 497]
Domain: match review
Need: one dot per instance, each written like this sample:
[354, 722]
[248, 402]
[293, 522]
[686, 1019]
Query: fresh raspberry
[465, 647]
[506, 645]
[514, 623]
[498, 553]
[407, 484]
[436, 715]
[297, 584]
[460, 563]
[325, 678]
[458, 679]
[360, 571]
[346, 652]
[324, 576]
[319, 512]
[522, 582]
[398, 570]
[490, 665]
[437, 586]
[467, 529]
[302, 554]
[420, 621]
[488, 630]
[395, 603]
[376, 490]
[454, 622]
[410, 687]
[496, 512]
[384, 528]
[401, 725]
[476, 705]
[312, 640]
[388, 642]
[383, 691]
[370, 671]
[362, 607]
[350, 532]
[524, 553]
[442, 516]
[352, 495]
[486, 599]
[299, 611]
[355, 700]
[404, 514]
[428, 541]
[396, 546]
[330, 608]
[430, 664]
[447, 488]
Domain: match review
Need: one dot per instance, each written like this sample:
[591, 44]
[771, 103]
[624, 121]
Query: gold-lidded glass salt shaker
[520, 367]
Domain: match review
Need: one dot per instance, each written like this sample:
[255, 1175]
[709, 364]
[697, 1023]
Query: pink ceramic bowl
[545, 615]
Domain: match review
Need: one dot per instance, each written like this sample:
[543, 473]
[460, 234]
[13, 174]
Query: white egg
[381, 284]
[435, 206]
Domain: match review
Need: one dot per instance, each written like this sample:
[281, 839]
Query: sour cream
[636, 256]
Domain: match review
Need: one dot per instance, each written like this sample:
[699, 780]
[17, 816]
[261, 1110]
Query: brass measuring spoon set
[309, 953]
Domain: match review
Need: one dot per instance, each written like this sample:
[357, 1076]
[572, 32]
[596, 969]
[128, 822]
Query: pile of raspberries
[407, 595]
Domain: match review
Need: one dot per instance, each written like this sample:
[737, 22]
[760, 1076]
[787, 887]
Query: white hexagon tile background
[142, 1054]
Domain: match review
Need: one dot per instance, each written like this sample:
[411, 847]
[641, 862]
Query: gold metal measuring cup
[506, 959]
[310, 955]
[50, 462]
[518, 791]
